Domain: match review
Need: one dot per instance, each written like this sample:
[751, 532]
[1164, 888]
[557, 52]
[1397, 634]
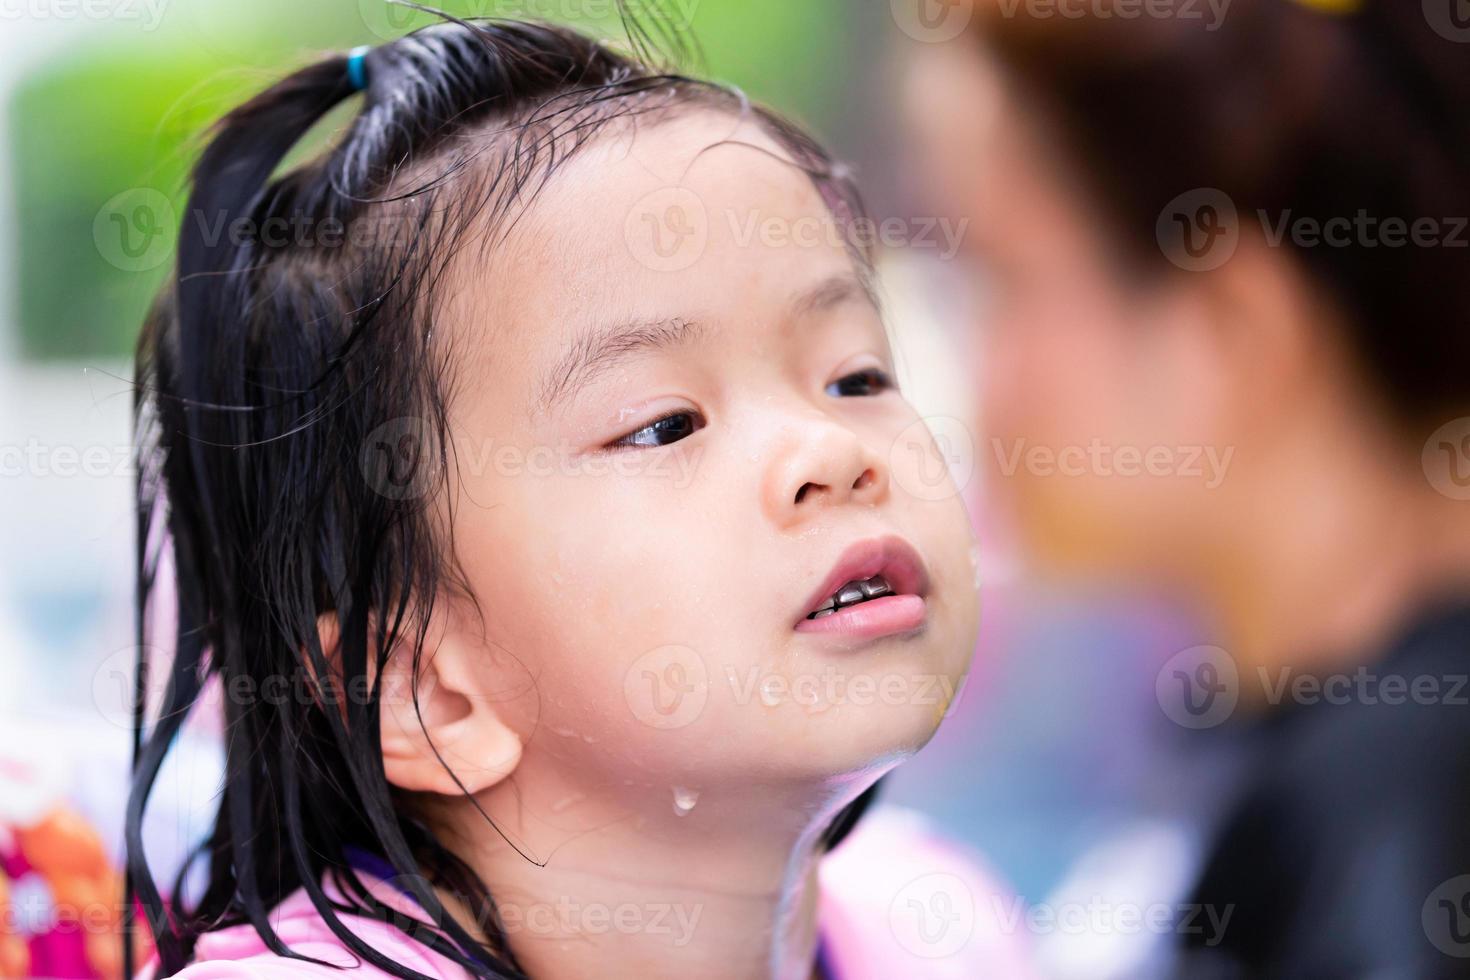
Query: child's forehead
[719, 157]
[592, 222]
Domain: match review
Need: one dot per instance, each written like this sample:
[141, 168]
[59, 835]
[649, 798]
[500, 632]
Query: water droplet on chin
[562, 804]
[684, 800]
[816, 705]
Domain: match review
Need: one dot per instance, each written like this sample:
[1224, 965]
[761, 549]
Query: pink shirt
[896, 901]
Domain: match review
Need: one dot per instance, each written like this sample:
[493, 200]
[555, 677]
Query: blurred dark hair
[1284, 106]
[266, 371]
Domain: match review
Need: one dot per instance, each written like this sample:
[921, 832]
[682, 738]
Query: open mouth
[860, 590]
[876, 588]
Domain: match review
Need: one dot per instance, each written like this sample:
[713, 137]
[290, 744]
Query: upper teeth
[853, 592]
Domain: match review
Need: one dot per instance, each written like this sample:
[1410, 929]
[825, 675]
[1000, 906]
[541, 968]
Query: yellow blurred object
[1332, 6]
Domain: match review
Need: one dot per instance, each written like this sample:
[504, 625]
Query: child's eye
[661, 432]
[861, 384]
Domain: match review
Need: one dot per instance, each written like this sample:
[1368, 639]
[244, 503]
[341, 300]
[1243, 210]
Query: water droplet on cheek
[684, 800]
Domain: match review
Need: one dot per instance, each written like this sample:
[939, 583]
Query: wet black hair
[267, 366]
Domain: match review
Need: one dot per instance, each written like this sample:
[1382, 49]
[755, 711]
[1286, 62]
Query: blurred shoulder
[239, 952]
[899, 899]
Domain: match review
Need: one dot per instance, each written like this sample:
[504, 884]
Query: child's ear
[456, 718]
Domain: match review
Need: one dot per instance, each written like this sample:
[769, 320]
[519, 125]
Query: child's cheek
[597, 566]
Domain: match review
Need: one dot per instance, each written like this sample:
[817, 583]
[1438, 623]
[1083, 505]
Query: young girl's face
[674, 437]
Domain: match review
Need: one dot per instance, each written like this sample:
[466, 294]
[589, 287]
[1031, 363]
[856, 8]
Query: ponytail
[249, 143]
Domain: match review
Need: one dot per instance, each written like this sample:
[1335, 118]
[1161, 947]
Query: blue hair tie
[356, 70]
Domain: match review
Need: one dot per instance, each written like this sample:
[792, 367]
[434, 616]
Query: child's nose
[821, 465]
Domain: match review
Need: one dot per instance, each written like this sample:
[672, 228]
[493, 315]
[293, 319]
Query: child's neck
[627, 886]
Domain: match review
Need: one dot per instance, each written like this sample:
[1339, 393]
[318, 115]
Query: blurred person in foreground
[1225, 355]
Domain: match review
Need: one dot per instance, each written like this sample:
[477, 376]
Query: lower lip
[871, 619]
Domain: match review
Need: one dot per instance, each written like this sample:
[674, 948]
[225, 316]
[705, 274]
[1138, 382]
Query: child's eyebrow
[597, 350]
[829, 293]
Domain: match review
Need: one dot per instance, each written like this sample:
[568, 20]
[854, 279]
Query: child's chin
[852, 738]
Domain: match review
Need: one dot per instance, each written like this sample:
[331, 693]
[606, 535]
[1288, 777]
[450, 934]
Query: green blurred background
[112, 116]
